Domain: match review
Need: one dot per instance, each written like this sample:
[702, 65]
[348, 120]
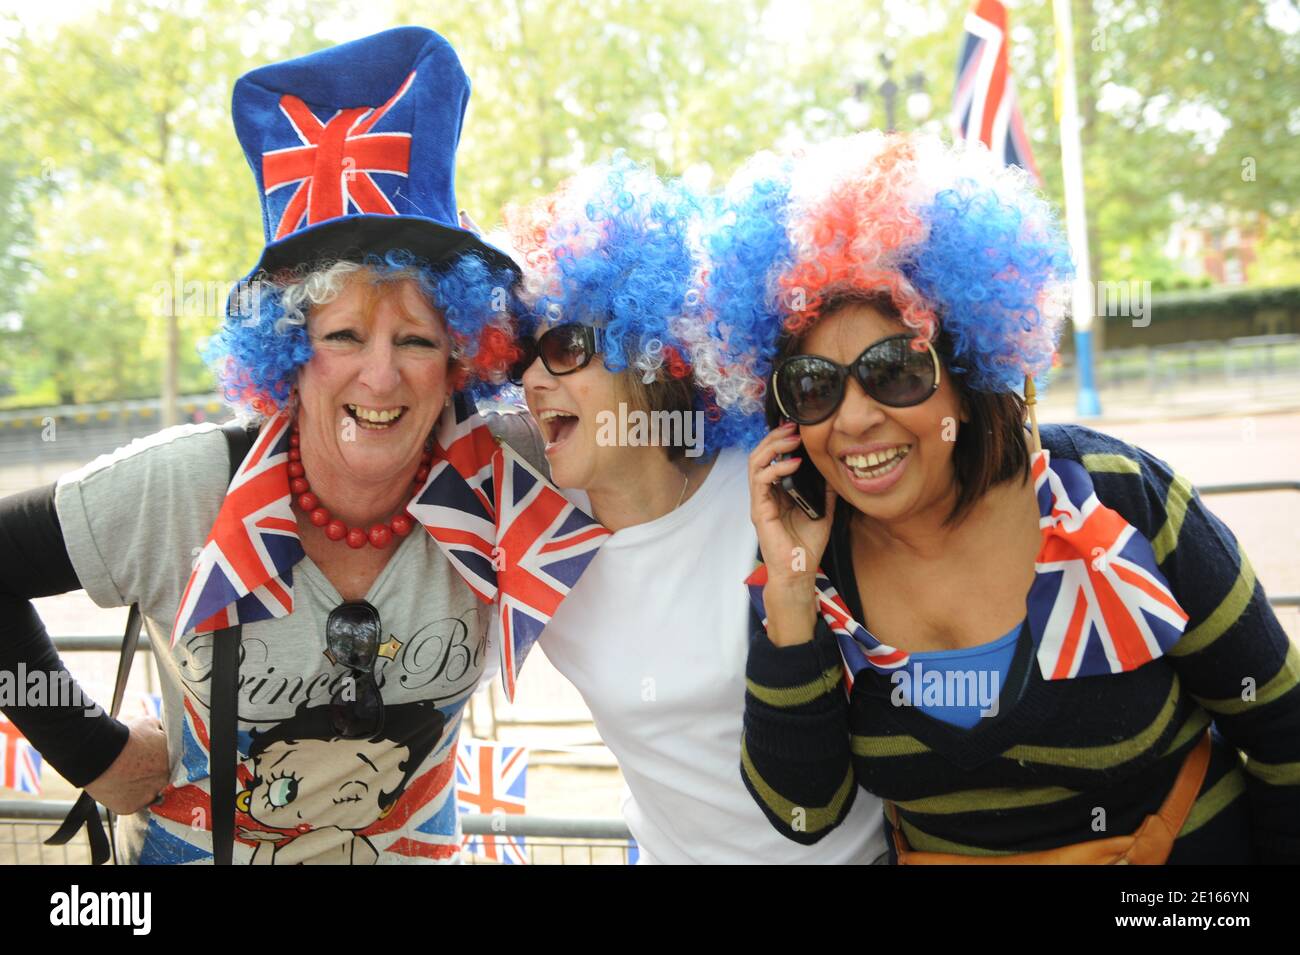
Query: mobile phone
[806, 487]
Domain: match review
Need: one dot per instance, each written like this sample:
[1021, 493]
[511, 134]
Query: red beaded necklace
[379, 535]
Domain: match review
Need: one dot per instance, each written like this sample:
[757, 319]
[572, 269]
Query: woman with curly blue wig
[1035, 633]
[313, 555]
[645, 419]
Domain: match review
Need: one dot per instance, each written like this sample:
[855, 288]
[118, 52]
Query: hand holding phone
[792, 533]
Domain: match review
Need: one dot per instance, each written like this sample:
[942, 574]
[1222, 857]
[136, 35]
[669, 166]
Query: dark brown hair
[990, 447]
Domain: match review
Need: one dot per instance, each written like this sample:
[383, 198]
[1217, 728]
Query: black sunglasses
[808, 388]
[353, 634]
[564, 349]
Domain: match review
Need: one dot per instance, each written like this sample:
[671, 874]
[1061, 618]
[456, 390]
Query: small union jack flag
[544, 543]
[859, 647]
[335, 167]
[244, 572]
[491, 780]
[1099, 603]
[984, 106]
[457, 504]
[20, 764]
[512, 535]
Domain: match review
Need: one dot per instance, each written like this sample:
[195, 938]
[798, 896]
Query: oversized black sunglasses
[808, 388]
[563, 349]
[353, 635]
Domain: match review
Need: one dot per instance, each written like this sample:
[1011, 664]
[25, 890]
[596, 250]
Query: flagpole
[1076, 217]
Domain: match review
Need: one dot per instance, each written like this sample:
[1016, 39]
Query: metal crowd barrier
[1252, 487]
[25, 824]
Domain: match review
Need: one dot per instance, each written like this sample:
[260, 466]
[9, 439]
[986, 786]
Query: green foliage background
[121, 180]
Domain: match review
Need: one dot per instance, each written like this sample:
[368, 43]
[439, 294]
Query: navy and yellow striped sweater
[1063, 761]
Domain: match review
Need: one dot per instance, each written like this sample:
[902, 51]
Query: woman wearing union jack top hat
[1034, 648]
[321, 578]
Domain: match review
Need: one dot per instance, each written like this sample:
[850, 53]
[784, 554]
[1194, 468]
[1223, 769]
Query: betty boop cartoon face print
[314, 792]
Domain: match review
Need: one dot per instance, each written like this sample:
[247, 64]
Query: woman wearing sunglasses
[1034, 643]
[654, 634]
[350, 635]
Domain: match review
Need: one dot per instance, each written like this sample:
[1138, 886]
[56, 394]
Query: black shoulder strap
[224, 716]
[239, 441]
[223, 711]
[223, 752]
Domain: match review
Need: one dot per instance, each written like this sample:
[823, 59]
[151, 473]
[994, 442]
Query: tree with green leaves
[122, 186]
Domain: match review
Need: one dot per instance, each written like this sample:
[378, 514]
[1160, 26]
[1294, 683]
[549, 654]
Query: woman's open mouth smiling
[556, 426]
[876, 470]
[375, 419]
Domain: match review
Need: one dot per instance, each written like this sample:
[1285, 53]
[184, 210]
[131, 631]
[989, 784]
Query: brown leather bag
[1149, 845]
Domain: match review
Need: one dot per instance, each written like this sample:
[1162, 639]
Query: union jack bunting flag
[511, 535]
[984, 105]
[544, 543]
[457, 504]
[20, 764]
[491, 779]
[859, 648]
[339, 165]
[245, 571]
[1099, 603]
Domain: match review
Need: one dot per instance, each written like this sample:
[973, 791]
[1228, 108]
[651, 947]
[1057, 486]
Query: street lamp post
[918, 100]
[889, 90]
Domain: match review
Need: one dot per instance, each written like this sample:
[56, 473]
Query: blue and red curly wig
[263, 342]
[956, 242]
[618, 248]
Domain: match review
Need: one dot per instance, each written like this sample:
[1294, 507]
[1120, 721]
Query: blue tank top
[954, 686]
[957, 686]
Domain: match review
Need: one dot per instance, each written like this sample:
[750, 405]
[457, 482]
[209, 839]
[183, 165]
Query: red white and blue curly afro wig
[618, 248]
[958, 243]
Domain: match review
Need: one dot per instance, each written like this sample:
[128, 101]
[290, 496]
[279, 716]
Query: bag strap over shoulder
[224, 702]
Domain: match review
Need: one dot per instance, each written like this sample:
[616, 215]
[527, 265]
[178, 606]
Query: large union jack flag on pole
[20, 764]
[491, 779]
[335, 166]
[984, 105]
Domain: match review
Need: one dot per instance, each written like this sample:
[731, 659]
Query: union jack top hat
[354, 151]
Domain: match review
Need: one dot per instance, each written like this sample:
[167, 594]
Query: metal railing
[1160, 366]
[1254, 487]
[25, 824]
